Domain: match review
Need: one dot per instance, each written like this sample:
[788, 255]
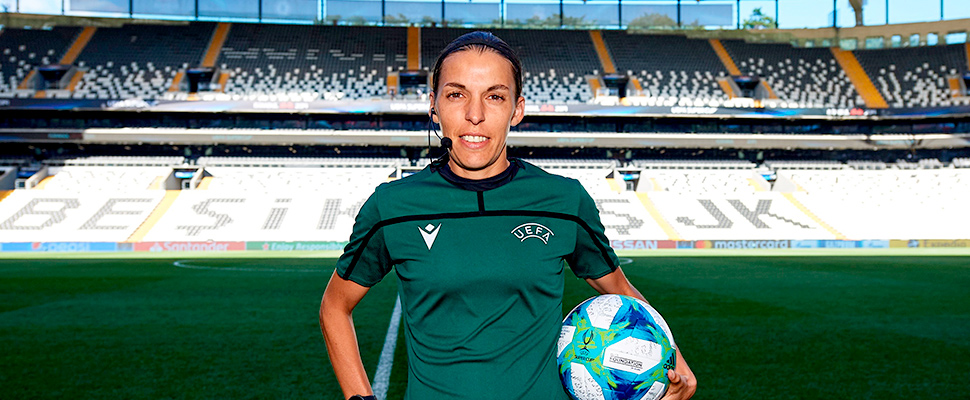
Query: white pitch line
[187, 264]
[382, 378]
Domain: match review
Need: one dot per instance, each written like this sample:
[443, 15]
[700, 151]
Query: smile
[473, 139]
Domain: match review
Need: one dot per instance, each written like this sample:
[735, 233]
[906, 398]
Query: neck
[495, 168]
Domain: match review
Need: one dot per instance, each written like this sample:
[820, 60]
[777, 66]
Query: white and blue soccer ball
[615, 347]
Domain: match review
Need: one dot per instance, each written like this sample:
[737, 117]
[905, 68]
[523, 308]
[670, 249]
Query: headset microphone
[445, 142]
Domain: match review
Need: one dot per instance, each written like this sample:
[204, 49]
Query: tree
[652, 20]
[759, 20]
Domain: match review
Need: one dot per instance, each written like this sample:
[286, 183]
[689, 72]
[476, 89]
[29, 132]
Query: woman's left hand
[683, 384]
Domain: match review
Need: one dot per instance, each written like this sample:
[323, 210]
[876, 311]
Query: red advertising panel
[189, 246]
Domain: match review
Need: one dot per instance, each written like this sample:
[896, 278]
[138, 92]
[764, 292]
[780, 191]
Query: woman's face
[475, 107]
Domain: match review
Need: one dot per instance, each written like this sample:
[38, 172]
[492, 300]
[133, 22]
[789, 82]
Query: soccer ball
[615, 347]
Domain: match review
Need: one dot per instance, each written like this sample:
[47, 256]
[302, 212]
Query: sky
[791, 13]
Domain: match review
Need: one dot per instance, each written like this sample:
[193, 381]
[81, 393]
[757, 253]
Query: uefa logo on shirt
[533, 230]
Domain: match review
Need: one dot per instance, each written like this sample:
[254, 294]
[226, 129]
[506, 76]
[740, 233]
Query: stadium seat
[808, 77]
[668, 66]
[915, 76]
[22, 50]
[139, 61]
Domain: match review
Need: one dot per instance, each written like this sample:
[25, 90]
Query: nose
[475, 112]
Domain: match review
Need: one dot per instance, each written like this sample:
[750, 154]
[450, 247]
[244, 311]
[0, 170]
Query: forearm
[337, 325]
[615, 283]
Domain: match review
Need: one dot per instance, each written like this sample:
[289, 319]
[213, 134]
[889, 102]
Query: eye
[453, 95]
[496, 97]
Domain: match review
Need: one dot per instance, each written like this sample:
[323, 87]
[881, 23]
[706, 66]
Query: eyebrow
[493, 87]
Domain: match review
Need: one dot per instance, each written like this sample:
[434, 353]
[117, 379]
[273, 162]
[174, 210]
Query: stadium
[177, 179]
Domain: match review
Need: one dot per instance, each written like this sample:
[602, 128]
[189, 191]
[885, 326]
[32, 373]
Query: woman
[478, 242]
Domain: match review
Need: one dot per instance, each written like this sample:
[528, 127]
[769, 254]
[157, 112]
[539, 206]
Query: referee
[479, 243]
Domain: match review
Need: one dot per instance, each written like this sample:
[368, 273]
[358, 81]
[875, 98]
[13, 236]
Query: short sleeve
[592, 257]
[365, 260]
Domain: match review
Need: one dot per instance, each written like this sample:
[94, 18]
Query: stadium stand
[915, 76]
[96, 203]
[809, 77]
[693, 164]
[81, 179]
[139, 61]
[555, 62]
[668, 66]
[292, 62]
[70, 215]
[887, 204]
[726, 204]
[25, 49]
[274, 199]
[622, 213]
[120, 161]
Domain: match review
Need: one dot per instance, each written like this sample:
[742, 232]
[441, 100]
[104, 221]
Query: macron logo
[429, 233]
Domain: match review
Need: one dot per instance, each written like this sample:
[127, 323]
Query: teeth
[474, 139]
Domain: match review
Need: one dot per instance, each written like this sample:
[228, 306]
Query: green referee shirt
[480, 266]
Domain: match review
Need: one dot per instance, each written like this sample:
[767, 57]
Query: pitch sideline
[382, 377]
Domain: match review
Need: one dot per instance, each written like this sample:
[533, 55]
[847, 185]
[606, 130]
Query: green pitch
[763, 327]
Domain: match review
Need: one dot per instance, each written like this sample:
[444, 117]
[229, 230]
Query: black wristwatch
[359, 397]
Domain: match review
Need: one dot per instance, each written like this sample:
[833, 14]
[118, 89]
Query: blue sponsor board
[840, 244]
[64, 247]
[874, 244]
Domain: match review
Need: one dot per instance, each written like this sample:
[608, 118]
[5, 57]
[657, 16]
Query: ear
[519, 112]
[433, 115]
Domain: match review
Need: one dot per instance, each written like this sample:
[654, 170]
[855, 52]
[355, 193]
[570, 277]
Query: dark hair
[480, 41]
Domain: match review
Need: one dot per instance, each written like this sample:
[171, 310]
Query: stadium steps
[953, 83]
[601, 51]
[726, 59]
[615, 184]
[75, 80]
[43, 182]
[155, 216]
[636, 84]
[176, 81]
[69, 57]
[767, 87]
[594, 82]
[79, 44]
[727, 87]
[30, 75]
[755, 185]
[215, 44]
[414, 48]
[857, 75]
[223, 80]
[801, 207]
[655, 214]
[5, 193]
[204, 183]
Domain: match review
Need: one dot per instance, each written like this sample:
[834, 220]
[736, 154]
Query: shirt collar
[478, 185]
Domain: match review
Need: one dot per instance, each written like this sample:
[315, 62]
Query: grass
[766, 327]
